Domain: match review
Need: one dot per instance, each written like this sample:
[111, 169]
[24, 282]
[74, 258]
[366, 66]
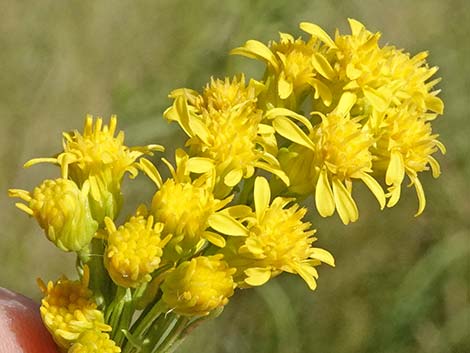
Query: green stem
[161, 330]
[100, 282]
[116, 308]
[144, 323]
[125, 317]
[169, 343]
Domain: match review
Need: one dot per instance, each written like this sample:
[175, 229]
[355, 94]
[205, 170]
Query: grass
[401, 284]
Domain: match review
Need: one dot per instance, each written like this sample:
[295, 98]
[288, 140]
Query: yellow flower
[94, 341]
[292, 68]
[224, 124]
[184, 206]
[197, 287]
[405, 146]
[331, 155]
[134, 249]
[102, 159]
[62, 210]
[379, 77]
[68, 310]
[276, 241]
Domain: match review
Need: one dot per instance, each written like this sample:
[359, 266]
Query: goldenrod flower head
[102, 159]
[292, 67]
[198, 286]
[62, 210]
[68, 310]
[184, 206]
[380, 77]
[227, 94]
[225, 125]
[94, 341]
[133, 250]
[277, 240]
[405, 146]
[338, 149]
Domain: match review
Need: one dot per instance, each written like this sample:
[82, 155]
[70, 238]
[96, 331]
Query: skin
[21, 328]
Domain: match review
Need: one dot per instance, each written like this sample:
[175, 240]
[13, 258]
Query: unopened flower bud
[62, 210]
[197, 287]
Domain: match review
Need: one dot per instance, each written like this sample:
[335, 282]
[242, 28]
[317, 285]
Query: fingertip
[21, 327]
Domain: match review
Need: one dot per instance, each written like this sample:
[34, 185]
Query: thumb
[21, 327]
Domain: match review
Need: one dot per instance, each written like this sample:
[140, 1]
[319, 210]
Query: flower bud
[94, 341]
[68, 309]
[197, 287]
[134, 250]
[62, 210]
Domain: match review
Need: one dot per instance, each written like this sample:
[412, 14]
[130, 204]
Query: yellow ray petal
[322, 65]
[323, 255]
[346, 102]
[308, 274]
[434, 104]
[257, 276]
[151, 171]
[435, 167]
[356, 26]
[262, 195]
[277, 112]
[274, 170]
[420, 193]
[233, 177]
[24, 208]
[284, 87]
[345, 204]
[182, 114]
[395, 170]
[199, 129]
[215, 239]
[375, 187]
[317, 32]
[321, 91]
[394, 193]
[254, 49]
[199, 165]
[324, 200]
[238, 211]
[286, 128]
[227, 225]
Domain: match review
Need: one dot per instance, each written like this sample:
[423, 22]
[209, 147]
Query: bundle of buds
[327, 114]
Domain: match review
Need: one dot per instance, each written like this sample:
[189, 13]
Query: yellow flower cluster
[372, 109]
[228, 216]
[69, 311]
[225, 124]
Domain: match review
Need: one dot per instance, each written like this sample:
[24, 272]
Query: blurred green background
[401, 284]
